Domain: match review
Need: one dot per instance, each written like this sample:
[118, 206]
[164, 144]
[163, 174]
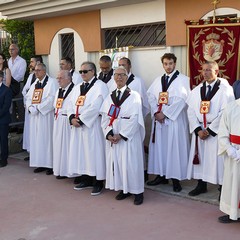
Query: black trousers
[4, 143]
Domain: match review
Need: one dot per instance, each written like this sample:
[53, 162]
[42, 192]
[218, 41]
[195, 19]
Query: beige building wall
[87, 25]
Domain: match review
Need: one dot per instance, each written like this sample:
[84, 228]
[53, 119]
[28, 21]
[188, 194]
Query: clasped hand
[75, 122]
[203, 134]
[114, 139]
[160, 117]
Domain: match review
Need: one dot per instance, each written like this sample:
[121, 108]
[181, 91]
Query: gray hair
[67, 74]
[42, 65]
[91, 65]
[123, 68]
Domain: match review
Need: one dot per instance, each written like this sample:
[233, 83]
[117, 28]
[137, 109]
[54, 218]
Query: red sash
[234, 139]
[113, 113]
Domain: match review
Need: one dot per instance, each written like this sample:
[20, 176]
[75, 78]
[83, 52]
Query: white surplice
[76, 77]
[61, 137]
[41, 125]
[124, 160]
[210, 168]
[86, 152]
[26, 128]
[230, 195]
[168, 156]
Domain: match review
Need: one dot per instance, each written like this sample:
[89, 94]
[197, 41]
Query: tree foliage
[22, 33]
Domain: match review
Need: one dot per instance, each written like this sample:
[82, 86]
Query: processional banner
[214, 42]
[115, 54]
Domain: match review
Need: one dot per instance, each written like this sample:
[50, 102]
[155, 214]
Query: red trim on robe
[234, 139]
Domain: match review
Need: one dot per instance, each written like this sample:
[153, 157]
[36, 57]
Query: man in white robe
[204, 112]
[134, 83]
[39, 102]
[229, 147]
[106, 73]
[31, 79]
[67, 64]
[86, 152]
[124, 139]
[169, 144]
[61, 126]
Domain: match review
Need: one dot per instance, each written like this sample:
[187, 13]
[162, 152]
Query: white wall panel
[133, 14]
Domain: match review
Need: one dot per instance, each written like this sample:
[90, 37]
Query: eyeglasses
[120, 75]
[84, 71]
[12, 49]
[38, 70]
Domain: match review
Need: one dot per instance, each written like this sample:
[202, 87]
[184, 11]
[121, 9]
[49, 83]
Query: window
[137, 35]
[67, 46]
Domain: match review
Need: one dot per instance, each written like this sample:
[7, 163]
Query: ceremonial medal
[59, 103]
[205, 107]
[113, 111]
[80, 101]
[163, 98]
[37, 96]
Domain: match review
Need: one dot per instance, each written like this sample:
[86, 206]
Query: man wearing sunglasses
[86, 153]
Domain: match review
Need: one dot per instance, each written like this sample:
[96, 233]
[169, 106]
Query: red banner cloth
[214, 42]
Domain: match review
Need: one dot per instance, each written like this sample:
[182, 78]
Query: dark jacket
[236, 89]
[5, 104]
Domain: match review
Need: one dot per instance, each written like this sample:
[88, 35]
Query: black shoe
[176, 185]
[3, 165]
[26, 159]
[97, 189]
[122, 195]
[77, 180]
[60, 177]
[49, 171]
[83, 185]
[157, 180]
[226, 219]
[39, 169]
[198, 190]
[138, 199]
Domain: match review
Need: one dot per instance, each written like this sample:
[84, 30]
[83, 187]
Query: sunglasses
[84, 71]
